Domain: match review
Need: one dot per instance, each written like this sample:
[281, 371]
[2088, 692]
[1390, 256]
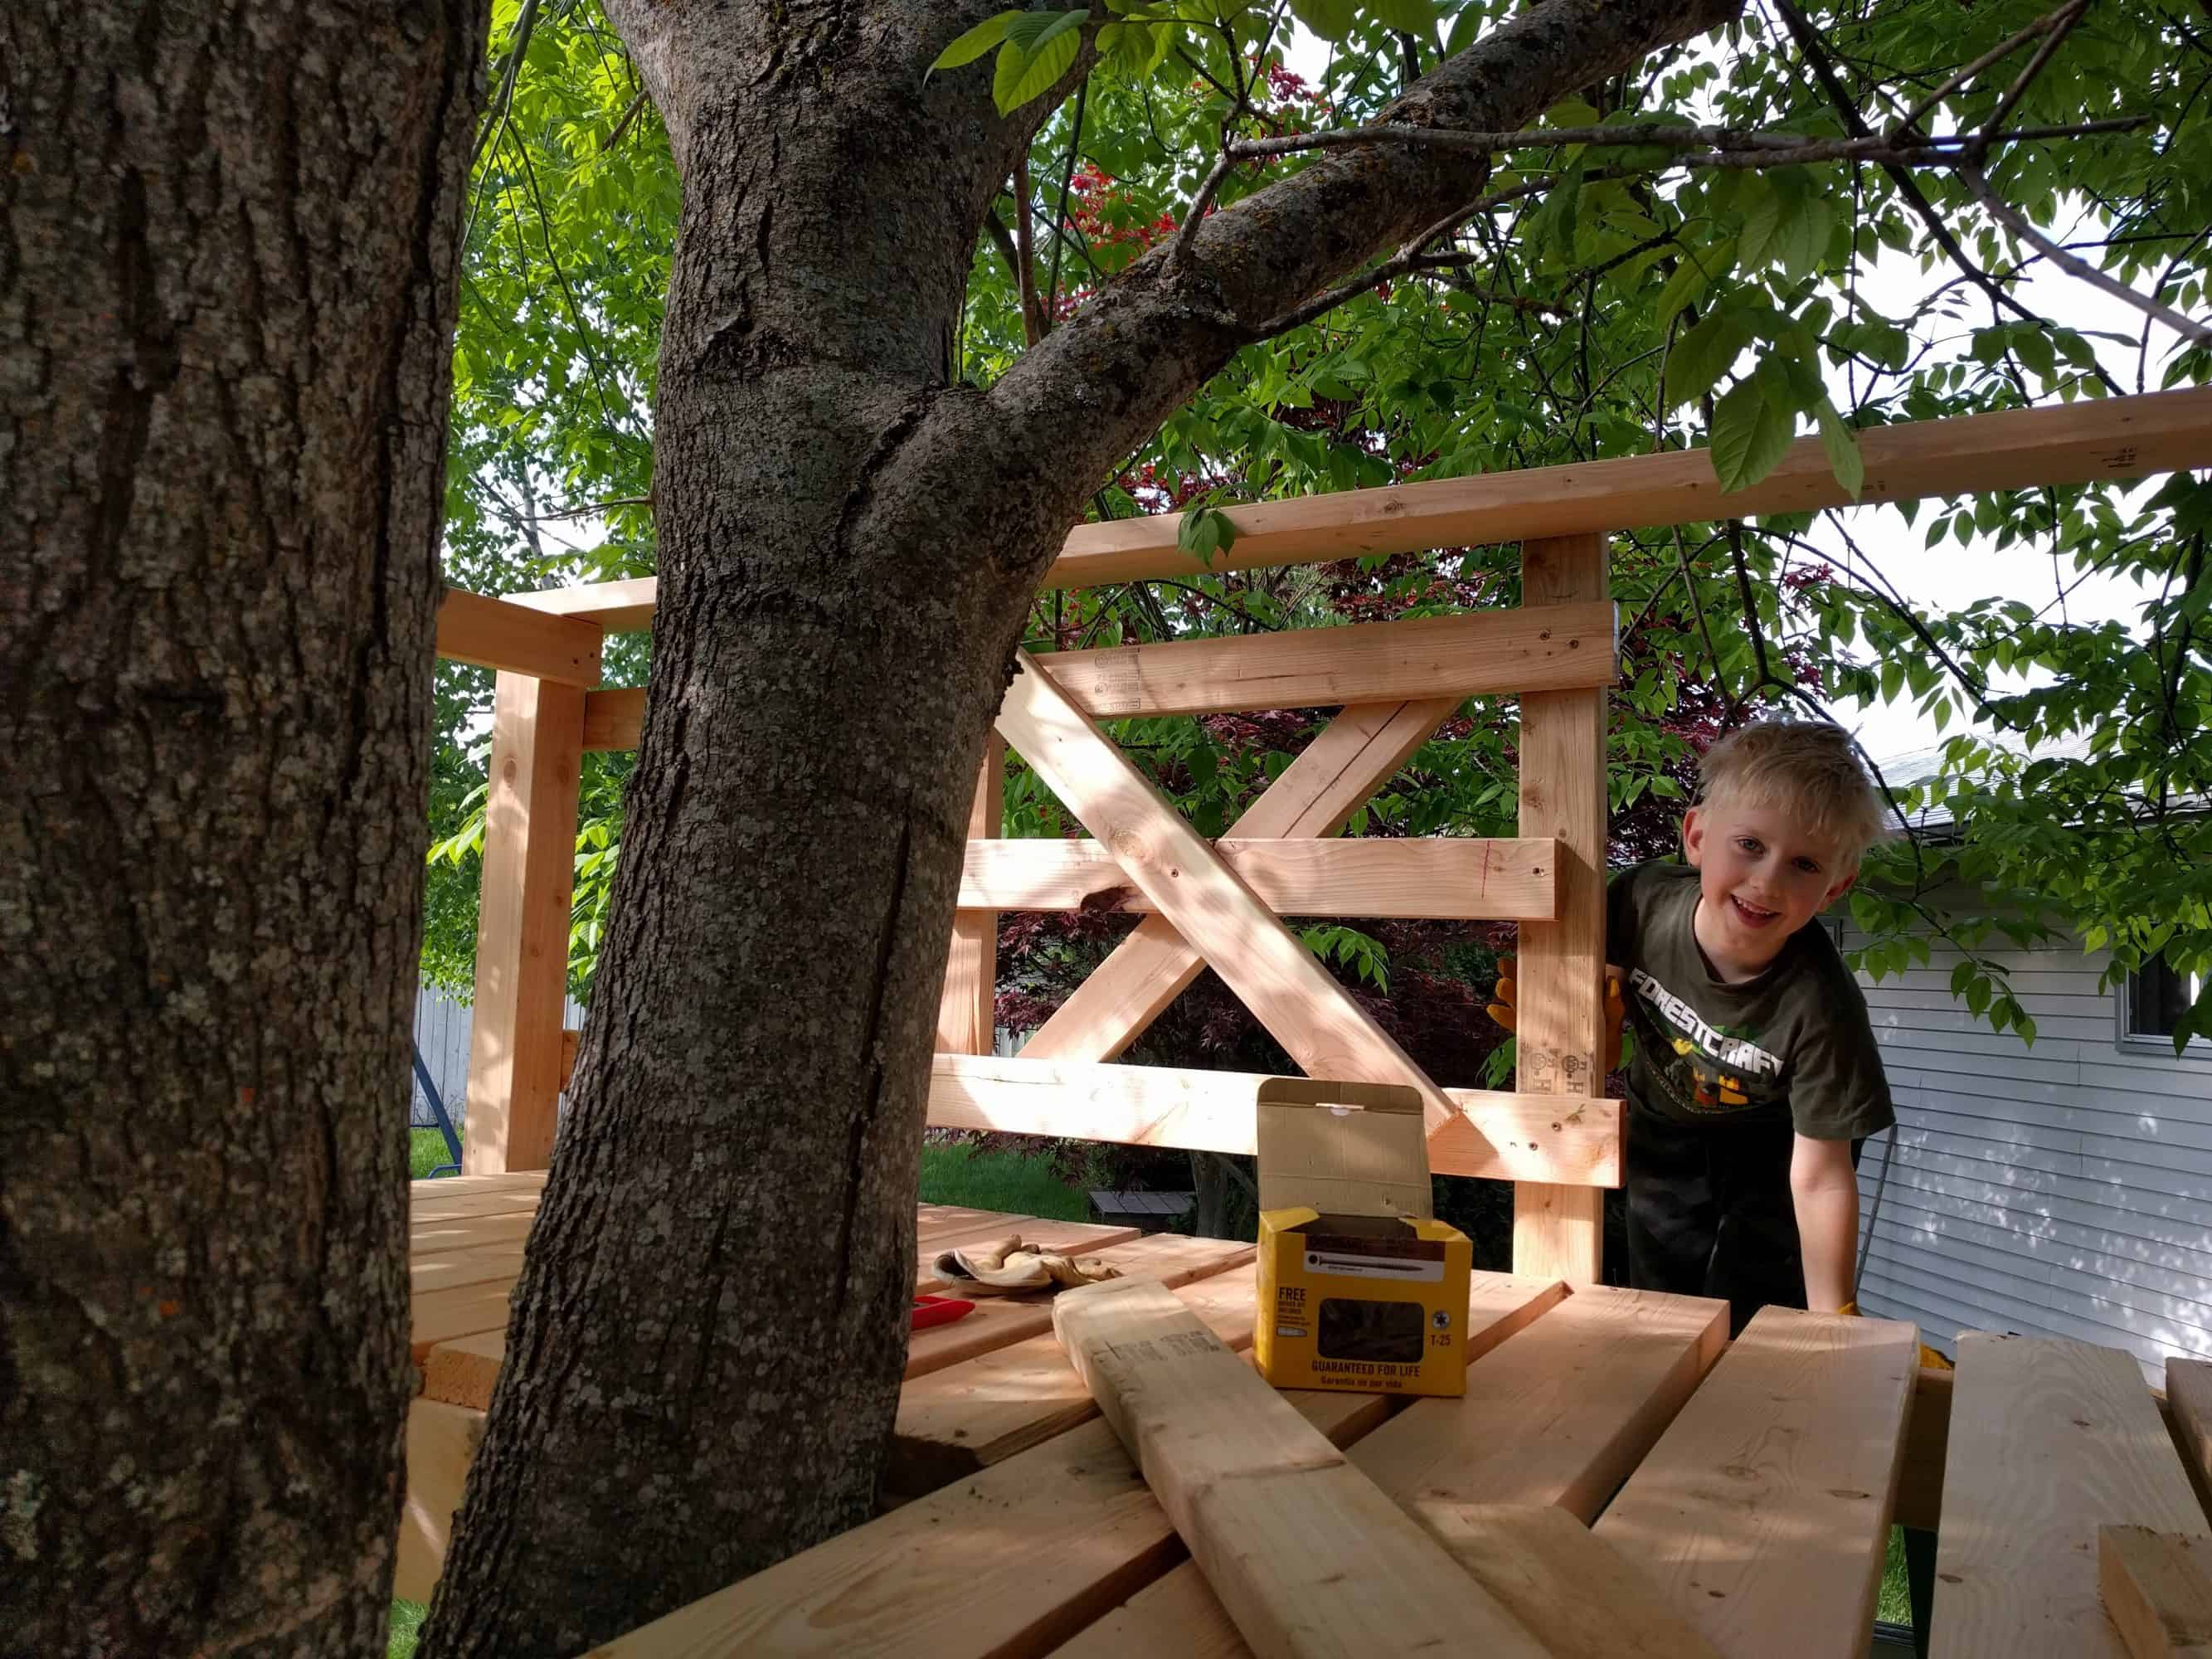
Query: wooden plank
[448, 1270]
[522, 924]
[463, 1371]
[1436, 877]
[2189, 1395]
[1012, 1562]
[932, 1220]
[1560, 1231]
[2012, 449]
[2156, 1591]
[1553, 1138]
[1357, 753]
[614, 718]
[1263, 1502]
[473, 1233]
[2049, 1440]
[966, 1010]
[1551, 1573]
[1268, 966]
[1763, 1512]
[516, 639]
[441, 1442]
[513, 1180]
[1472, 653]
[442, 1315]
[1927, 1444]
[467, 1206]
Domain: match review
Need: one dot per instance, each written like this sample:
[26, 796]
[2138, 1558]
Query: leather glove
[1507, 1009]
[1010, 1265]
[1931, 1360]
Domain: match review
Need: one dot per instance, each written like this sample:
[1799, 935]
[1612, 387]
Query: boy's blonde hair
[1808, 769]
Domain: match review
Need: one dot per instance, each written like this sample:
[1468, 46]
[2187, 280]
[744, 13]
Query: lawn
[1016, 1182]
[426, 1151]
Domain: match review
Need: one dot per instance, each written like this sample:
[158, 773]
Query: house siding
[2061, 1188]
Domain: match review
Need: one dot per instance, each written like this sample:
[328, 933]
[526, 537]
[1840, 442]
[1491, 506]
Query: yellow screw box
[1361, 1288]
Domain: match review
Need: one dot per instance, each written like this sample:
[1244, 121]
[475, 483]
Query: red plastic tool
[938, 1310]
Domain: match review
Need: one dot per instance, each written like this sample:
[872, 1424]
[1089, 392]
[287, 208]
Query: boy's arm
[1825, 1191]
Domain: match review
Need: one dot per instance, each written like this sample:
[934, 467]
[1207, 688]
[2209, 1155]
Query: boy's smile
[1762, 877]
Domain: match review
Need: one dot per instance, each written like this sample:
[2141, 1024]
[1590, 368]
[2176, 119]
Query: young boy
[1755, 1073]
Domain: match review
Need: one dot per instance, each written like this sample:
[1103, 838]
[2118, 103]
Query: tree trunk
[226, 288]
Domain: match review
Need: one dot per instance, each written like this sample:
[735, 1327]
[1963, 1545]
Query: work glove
[1931, 1360]
[1507, 1010]
[1009, 1266]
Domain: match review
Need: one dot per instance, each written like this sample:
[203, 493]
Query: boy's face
[1762, 877]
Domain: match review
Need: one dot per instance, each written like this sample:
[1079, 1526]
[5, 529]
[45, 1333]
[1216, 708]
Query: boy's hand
[1507, 1009]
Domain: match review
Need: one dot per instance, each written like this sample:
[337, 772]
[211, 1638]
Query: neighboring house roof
[1936, 824]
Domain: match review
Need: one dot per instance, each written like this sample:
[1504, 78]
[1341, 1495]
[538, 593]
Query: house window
[2154, 1002]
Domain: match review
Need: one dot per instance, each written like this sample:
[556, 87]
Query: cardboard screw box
[1360, 1287]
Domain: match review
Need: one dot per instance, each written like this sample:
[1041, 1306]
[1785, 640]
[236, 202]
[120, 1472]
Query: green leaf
[1749, 436]
[1696, 270]
[1331, 20]
[1413, 16]
[1843, 446]
[1700, 357]
[1029, 29]
[1464, 29]
[1022, 75]
[974, 43]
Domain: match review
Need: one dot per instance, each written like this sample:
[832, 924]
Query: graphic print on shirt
[1706, 1068]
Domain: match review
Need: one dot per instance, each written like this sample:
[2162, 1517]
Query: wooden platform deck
[1749, 1486]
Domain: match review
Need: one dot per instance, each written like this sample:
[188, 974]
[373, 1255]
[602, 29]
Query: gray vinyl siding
[2062, 1189]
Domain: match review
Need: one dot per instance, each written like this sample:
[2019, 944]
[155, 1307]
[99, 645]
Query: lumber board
[1562, 1581]
[517, 639]
[1763, 1513]
[522, 924]
[1472, 653]
[932, 1220]
[2189, 1398]
[1927, 1444]
[513, 1180]
[1444, 878]
[1262, 1500]
[441, 1442]
[447, 1270]
[2109, 437]
[463, 1370]
[471, 1232]
[1332, 778]
[1556, 1138]
[1010, 1562]
[2156, 1591]
[2049, 1440]
[967, 1021]
[1560, 1229]
[1268, 966]
[441, 1315]
[613, 719]
[467, 1206]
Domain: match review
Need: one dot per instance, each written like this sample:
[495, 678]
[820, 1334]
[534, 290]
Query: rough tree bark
[704, 1357]
[228, 276]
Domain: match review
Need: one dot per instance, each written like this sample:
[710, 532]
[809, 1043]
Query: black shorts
[1710, 1213]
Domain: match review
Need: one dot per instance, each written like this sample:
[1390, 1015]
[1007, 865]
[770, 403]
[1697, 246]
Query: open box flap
[1371, 1160]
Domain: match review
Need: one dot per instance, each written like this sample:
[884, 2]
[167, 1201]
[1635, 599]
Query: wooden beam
[1558, 1139]
[441, 1443]
[615, 607]
[1571, 1588]
[1266, 965]
[2155, 1588]
[1764, 1511]
[1927, 1441]
[1560, 1231]
[517, 639]
[2049, 1440]
[1434, 877]
[2189, 1394]
[1308, 1554]
[1478, 653]
[1333, 777]
[522, 924]
[966, 1008]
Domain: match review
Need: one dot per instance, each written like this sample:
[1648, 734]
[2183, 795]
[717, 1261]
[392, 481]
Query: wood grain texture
[965, 1013]
[2156, 1591]
[1310, 1557]
[1334, 775]
[472, 1232]
[1502, 1136]
[522, 924]
[1561, 969]
[1437, 877]
[1764, 1511]
[1269, 967]
[2189, 1399]
[441, 1439]
[2049, 1440]
[463, 1371]
[446, 1270]
[1570, 1587]
[491, 633]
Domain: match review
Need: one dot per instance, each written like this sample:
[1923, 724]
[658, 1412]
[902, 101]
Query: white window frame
[2152, 1041]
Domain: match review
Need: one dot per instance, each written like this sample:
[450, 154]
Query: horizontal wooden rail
[1440, 879]
[1549, 647]
[2101, 439]
[1564, 1139]
[518, 638]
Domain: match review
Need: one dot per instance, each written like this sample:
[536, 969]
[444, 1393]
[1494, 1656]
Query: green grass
[426, 1151]
[1895, 1605]
[406, 1629]
[1016, 1182]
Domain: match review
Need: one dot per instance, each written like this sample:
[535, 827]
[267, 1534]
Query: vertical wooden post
[965, 1017]
[1558, 1232]
[522, 924]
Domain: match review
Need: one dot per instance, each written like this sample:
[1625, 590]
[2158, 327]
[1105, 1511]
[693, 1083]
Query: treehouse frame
[1219, 903]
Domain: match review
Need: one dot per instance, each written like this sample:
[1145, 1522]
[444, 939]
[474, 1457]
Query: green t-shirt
[1792, 1045]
